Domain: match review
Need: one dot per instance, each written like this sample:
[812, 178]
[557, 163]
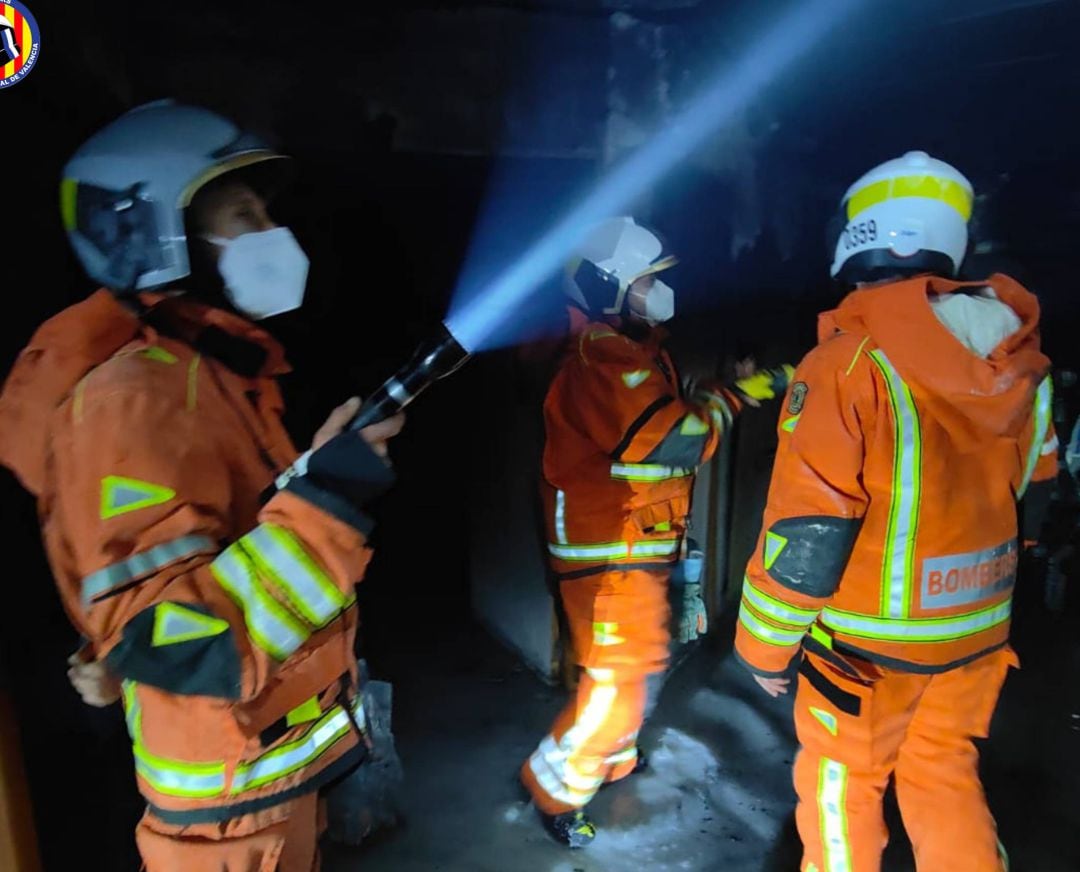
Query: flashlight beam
[476, 319]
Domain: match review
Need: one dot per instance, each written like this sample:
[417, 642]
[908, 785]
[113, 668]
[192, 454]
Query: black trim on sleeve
[209, 666]
[641, 420]
[332, 503]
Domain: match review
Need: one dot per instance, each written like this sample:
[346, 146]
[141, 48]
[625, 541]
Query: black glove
[340, 477]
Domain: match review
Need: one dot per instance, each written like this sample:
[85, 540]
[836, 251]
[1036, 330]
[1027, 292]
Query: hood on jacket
[974, 397]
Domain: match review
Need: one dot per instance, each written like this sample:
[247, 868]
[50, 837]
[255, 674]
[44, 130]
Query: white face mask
[265, 273]
[655, 305]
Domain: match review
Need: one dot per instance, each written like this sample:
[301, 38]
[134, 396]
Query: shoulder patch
[799, 390]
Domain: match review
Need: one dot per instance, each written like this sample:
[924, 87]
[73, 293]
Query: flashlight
[432, 361]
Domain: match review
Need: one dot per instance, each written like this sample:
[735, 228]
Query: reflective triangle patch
[827, 719]
[789, 425]
[774, 545]
[636, 378]
[122, 495]
[174, 624]
[693, 426]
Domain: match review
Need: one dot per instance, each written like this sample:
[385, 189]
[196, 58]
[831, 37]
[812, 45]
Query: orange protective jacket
[890, 531]
[231, 621]
[622, 447]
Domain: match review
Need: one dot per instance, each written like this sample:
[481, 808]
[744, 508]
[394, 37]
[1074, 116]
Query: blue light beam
[474, 318]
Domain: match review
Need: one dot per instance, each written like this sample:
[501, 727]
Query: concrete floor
[717, 795]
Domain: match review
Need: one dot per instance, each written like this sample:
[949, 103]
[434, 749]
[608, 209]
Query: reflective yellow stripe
[832, 813]
[767, 632]
[614, 550]
[916, 629]
[288, 758]
[169, 777]
[898, 566]
[270, 625]
[930, 187]
[305, 712]
[774, 608]
[648, 471]
[282, 559]
[821, 637]
[1044, 398]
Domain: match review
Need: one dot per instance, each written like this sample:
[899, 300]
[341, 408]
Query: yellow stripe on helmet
[947, 191]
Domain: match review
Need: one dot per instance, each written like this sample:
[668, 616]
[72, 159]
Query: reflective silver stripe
[613, 550]
[774, 608]
[654, 549]
[170, 777]
[766, 633]
[1043, 403]
[899, 562]
[282, 558]
[648, 471]
[560, 517]
[294, 755]
[144, 563]
[175, 779]
[916, 629]
[271, 626]
[832, 811]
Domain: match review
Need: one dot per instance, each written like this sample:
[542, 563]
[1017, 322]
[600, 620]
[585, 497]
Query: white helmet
[613, 255]
[904, 217]
[124, 192]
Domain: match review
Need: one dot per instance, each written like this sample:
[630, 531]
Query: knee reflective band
[832, 813]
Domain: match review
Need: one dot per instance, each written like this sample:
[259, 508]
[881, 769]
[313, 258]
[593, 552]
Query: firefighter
[623, 442]
[147, 421]
[888, 552]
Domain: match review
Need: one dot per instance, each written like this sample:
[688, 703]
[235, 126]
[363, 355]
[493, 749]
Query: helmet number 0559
[859, 234]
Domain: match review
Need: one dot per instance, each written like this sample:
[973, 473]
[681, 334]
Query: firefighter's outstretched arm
[815, 506]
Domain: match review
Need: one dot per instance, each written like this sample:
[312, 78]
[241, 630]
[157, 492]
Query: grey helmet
[124, 192]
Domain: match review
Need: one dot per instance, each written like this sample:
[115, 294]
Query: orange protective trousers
[281, 839]
[917, 728]
[619, 631]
